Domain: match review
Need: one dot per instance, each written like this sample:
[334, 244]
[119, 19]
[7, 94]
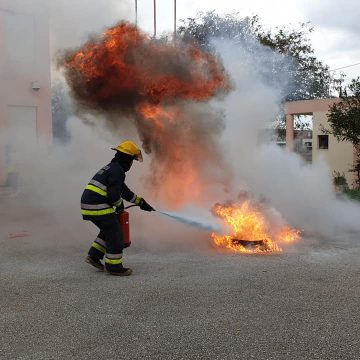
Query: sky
[336, 35]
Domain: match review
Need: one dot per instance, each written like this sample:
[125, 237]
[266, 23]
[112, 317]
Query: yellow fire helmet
[130, 148]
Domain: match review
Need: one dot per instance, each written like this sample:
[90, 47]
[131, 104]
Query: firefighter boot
[94, 262]
[118, 270]
[96, 253]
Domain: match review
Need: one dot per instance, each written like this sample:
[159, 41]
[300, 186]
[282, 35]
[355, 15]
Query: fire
[157, 115]
[251, 230]
[125, 68]
[162, 87]
[288, 234]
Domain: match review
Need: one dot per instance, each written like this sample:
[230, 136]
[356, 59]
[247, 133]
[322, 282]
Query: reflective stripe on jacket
[105, 191]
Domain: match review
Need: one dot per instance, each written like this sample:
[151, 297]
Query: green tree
[344, 120]
[207, 26]
[344, 116]
[308, 77]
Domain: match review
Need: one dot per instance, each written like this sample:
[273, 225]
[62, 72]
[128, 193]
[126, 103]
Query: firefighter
[101, 201]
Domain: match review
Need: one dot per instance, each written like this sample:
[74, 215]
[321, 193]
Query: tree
[309, 77]
[344, 120]
[344, 116]
[207, 26]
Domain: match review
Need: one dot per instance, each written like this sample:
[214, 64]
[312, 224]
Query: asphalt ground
[178, 304]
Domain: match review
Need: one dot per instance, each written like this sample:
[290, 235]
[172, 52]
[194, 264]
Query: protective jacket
[105, 191]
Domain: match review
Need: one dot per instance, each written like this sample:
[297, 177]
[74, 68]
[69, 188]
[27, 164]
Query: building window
[323, 141]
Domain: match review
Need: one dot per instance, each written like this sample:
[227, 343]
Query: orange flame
[250, 227]
[125, 67]
[157, 114]
[125, 74]
[288, 234]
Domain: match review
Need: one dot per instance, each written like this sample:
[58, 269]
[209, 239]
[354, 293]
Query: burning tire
[251, 244]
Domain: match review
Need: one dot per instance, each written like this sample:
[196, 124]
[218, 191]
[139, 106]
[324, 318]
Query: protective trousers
[109, 242]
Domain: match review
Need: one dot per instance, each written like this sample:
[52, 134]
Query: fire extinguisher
[124, 220]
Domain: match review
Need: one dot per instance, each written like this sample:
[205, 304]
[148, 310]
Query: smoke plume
[162, 88]
[182, 131]
[303, 193]
[169, 99]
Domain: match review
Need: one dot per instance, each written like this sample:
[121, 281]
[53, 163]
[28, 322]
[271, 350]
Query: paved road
[177, 305]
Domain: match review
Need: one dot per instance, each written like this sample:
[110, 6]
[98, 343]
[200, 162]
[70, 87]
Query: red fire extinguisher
[123, 217]
[124, 221]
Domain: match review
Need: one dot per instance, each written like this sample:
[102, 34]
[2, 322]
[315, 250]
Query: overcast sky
[336, 38]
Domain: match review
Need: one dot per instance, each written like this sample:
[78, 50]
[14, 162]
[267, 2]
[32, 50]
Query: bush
[353, 194]
[339, 179]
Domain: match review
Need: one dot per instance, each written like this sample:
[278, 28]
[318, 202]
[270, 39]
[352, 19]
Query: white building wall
[24, 62]
[339, 155]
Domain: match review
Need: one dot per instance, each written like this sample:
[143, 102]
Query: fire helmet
[130, 148]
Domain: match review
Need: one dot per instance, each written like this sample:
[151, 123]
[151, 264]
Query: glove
[120, 208]
[145, 206]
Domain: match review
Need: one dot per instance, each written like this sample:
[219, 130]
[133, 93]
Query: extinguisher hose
[130, 206]
[184, 220]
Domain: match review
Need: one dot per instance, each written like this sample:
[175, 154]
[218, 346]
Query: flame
[250, 226]
[125, 74]
[127, 66]
[288, 234]
[157, 115]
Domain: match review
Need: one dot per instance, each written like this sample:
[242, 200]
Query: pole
[154, 18]
[136, 12]
[174, 19]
